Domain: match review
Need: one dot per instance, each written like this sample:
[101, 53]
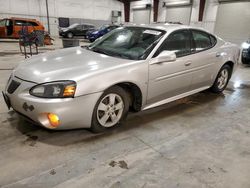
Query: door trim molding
[174, 98]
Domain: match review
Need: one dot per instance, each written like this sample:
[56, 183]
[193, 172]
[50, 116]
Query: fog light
[53, 120]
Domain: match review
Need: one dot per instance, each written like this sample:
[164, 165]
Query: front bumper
[72, 112]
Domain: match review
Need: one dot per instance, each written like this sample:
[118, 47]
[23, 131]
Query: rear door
[204, 58]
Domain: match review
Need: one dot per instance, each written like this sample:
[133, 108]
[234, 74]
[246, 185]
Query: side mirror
[165, 56]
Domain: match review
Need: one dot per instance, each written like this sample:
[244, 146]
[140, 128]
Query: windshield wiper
[97, 50]
[113, 54]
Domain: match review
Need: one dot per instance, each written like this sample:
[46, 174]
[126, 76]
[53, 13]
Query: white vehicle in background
[130, 68]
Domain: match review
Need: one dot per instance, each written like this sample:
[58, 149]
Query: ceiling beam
[201, 10]
[126, 11]
[156, 7]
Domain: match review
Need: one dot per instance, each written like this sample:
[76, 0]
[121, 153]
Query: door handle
[188, 63]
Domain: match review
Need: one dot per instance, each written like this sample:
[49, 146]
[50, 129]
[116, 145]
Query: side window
[32, 24]
[20, 22]
[179, 42]
[79, 27]
[202, 40]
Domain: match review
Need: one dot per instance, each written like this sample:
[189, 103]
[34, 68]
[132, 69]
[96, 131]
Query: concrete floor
[202, 141]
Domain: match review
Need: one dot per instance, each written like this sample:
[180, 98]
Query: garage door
[141, 16]
[233, 21]
[179, 14]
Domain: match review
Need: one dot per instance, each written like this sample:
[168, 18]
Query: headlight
[60, 89]
[245, 45]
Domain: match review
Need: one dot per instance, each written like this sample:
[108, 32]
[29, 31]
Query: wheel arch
[231, 64]
[134, 92]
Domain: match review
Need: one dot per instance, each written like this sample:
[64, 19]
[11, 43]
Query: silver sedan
[132, 68]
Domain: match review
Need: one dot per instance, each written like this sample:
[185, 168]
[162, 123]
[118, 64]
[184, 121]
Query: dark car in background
[76, 30]
[245, 57]
[93, 35]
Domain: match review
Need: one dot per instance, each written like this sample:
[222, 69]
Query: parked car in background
[131, 68]
[93, 35]
[245, 56]
[10, 27]
[76, 30]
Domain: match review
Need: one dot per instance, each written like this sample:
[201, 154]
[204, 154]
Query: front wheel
[222, 79]
[110, 110]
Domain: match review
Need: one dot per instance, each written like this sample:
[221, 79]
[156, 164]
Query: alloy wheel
[223, 79]
[110, 110]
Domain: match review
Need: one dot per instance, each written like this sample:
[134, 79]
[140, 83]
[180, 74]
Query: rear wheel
[110, 110]
[222, 79]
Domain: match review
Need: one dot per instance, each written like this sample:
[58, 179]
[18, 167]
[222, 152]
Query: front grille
[13, 86]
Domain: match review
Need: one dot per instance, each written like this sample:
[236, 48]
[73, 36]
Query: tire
[70, 35]
[91, 40]
[222, 79]
[106, 114]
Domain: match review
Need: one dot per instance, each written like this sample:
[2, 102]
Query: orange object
[48, 40]
[10, 27]
[69, 91]
[53, 120]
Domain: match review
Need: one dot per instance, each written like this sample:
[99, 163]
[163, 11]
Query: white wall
[209, 16]
[85, 9]
[139, 3]
[233, 21]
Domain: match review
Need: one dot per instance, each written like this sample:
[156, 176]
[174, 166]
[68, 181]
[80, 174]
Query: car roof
[165, 26]
[24, 19]
[87, 24]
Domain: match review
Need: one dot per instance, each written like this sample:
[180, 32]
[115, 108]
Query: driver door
[169, 79]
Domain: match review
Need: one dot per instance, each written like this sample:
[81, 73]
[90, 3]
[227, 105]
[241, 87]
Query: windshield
[128, 42]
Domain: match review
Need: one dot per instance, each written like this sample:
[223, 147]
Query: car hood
[67, 64]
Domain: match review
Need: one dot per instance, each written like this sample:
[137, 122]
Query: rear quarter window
[202, 40]
[213, 40]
